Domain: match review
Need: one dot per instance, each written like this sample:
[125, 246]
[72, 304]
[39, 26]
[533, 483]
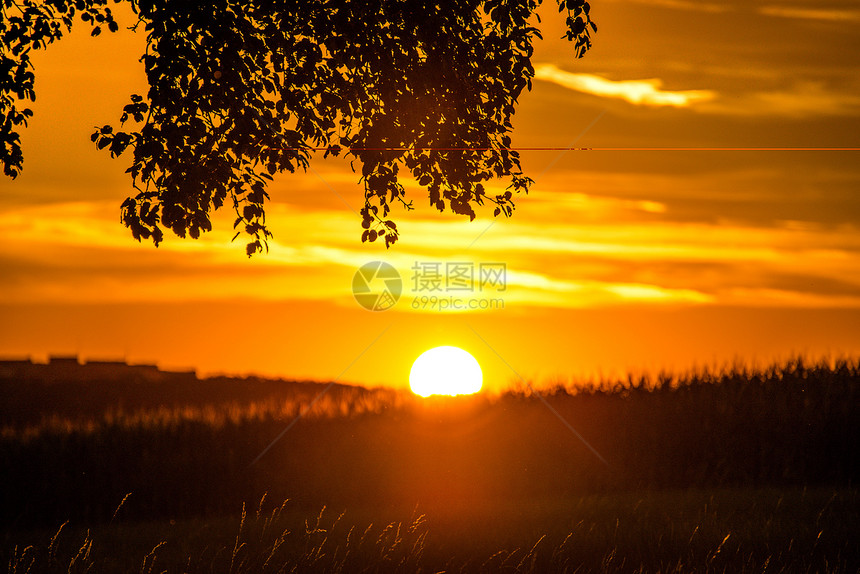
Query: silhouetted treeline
[42, 400]
[790, 424]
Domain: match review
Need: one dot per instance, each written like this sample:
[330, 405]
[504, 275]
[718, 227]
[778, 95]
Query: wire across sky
[358, 149]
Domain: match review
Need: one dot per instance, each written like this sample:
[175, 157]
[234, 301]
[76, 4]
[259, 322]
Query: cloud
[636, 92]
[763, 297]
[803, 100]
[832, 15]
[557, 205]
[656, 293]
[811, 99]
[828, 14]
[79, 253]
[709, 7]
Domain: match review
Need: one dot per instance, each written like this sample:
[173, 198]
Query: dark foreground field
[736, 471]
[720, 530]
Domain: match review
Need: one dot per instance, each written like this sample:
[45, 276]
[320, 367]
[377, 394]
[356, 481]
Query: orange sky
[617, 260]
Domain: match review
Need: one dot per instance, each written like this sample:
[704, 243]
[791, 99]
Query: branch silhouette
[240, 91]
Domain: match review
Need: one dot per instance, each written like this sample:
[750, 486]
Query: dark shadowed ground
[731, 471]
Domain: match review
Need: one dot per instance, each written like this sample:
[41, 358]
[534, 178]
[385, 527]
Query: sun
[445, 371]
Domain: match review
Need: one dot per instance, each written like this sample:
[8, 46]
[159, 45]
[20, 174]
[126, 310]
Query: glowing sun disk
[445, 371]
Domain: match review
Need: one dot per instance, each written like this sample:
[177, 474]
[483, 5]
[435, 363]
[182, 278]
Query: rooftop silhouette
[73, 368]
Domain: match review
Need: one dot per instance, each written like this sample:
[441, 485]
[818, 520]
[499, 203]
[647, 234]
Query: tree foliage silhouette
[242, 90]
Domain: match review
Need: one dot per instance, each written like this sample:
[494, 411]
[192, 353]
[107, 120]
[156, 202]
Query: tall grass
[190, 450]
[742, 531]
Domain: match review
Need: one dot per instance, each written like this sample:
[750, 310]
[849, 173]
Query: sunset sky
[616, 261]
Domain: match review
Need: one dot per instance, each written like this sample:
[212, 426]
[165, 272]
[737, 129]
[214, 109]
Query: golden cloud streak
[636, 92]
[85, 256]
[811, 13]
[697, 6]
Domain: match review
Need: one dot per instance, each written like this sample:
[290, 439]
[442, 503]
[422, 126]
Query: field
[737, 470]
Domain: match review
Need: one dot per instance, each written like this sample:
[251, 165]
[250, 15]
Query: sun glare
[445, 371]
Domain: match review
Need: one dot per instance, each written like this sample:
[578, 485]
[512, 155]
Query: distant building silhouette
[61, 368]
